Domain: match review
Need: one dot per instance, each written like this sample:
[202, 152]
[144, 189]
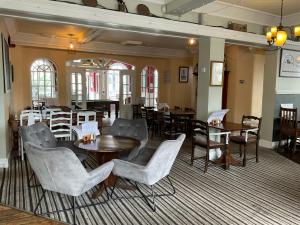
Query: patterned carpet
[263, 193]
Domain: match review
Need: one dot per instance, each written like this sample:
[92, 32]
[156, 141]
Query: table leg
[226, 159]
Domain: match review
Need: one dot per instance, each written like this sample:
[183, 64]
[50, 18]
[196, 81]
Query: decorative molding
[35, 40]
[267, 144]
[291, 20]
[288, 92]
[236, 12]
[11, 25]
[91, 35]
[95, 17]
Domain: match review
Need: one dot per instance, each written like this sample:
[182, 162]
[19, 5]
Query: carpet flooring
[267, 192]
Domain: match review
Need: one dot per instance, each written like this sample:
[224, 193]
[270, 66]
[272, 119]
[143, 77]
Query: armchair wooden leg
[192, 155]
[240, 148]
[206, 161]
[244, 156]
[256, 151]
[279, 144]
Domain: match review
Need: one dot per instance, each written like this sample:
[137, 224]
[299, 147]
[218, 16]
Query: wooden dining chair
[288, 127]
[250, 133]
[136, 111]
[203, 138]
[61, 124]
[85, 116]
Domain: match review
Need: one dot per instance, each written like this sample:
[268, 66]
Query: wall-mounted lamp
[71, 47]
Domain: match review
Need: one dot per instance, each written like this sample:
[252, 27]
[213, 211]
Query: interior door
[77, 87]
[127, 93]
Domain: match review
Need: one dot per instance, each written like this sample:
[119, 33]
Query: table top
[12, 216]
[177, 112]
[229, 126]
[109, 143]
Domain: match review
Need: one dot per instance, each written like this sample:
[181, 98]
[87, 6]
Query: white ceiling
[56, 30]
[269, 6]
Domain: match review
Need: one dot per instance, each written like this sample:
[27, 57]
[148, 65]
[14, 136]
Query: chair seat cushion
[80, 153]
[202, 142]
[242, 139]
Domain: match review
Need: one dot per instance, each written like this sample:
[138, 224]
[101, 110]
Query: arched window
[43, 79]
[149, 85]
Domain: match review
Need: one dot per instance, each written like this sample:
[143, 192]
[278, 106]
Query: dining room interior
[149, 112]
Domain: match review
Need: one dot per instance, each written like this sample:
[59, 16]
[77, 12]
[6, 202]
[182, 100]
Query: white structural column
[209, 98]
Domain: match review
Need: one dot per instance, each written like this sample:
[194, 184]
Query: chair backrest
[38, 134]
[177, 108]
[201, 128]
[57, 169]
[86, 116]
[61, 124]
[143, 113]
[288, 117]
[30, 117]
[163, 159]
[252, 121]
[136, 129]
[149, 114]
[46, 112]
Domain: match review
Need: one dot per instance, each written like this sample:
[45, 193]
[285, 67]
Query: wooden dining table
[106, 148]
[227, 159]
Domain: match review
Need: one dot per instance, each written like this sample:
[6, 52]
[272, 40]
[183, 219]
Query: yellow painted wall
[245, 85]
[5, 108]
[170, 90]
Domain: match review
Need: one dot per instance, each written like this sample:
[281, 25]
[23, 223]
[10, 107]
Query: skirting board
[4, 163]
[267, 144]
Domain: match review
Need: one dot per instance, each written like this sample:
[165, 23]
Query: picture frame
[216, 73]
[289, 63]
[183, 74]
[6, 65]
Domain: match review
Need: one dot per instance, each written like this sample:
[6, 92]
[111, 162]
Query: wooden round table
[108, 147]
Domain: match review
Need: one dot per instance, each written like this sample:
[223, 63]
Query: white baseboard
[4, 163]
[268, 144]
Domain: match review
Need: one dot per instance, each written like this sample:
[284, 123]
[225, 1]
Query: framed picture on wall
[290, 63]
[183, 74]
[216, 73]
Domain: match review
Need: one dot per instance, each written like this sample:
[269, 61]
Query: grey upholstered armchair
[136, 129]
[59, 170]
[41, 135]
[157, 168]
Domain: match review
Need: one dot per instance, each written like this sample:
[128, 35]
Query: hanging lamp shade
[280, 38]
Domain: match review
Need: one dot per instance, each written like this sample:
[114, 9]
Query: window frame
[41, 68]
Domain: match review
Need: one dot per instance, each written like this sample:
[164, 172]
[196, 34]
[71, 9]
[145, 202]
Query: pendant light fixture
[278, 36]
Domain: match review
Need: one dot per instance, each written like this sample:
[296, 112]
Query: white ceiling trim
[35, 40]
[94, 17]
[291, 20]
[235, 12]
[11, 26]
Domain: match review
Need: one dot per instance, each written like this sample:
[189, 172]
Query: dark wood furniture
[201, 138]
[136, 111]
[288, 127]
[248, 136]
[103, 106]
[13, 216]
[107, 147]
[227, 159]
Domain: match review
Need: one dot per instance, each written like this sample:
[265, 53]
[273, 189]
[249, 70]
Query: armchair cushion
[202, 142]
[158, 166]
[242, 139]
[136, 128]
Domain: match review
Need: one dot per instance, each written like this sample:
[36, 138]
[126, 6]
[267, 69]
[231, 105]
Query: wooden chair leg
[192, 155]
[240, 147]
[256, 151]
[206, 161]
[244, 156]
[279, 144]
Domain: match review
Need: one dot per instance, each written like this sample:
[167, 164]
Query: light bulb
[71, 46]
[297, 31]
[192, 41]
[269, 36]
[281, 38]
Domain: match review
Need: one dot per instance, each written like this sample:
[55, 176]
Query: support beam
[180, 7]
[91, 35]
